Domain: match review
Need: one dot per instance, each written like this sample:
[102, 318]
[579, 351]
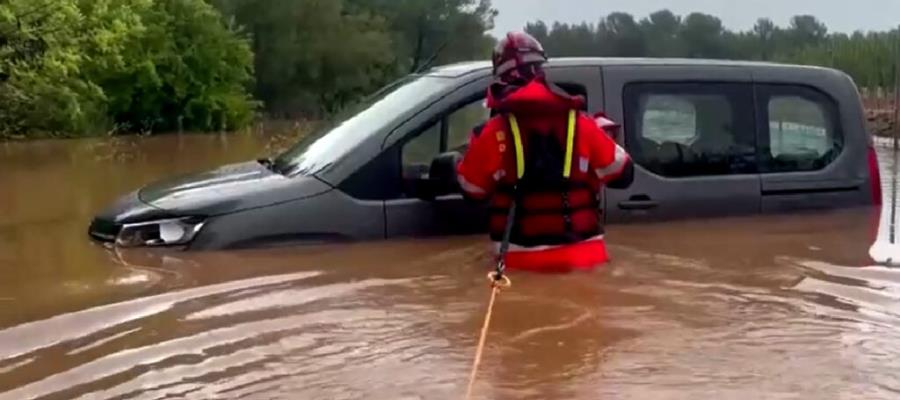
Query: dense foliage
[77, 67]
[868, 57]
[314, 56]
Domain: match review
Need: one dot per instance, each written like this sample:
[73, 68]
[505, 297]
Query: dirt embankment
[881, 122]
[879, 105]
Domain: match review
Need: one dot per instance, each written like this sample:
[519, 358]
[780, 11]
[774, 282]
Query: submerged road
[740, 308]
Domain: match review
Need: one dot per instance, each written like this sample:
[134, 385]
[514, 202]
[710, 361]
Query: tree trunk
[420, 44]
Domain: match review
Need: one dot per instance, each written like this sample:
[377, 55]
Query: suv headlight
[166, 232]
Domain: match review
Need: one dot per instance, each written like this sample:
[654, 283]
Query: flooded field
[742, 308]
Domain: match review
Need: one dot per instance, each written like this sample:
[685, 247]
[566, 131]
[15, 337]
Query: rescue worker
[541, 150]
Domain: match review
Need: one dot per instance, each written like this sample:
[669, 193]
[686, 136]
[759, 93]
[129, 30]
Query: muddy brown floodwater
[746, 308]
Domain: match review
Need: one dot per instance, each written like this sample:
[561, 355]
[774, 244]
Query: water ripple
[31, 336]
[290, 298]
[196, 344]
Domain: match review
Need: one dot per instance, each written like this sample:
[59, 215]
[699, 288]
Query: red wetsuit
[541, 151]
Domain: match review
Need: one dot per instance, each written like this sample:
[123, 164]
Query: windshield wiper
[268, 163]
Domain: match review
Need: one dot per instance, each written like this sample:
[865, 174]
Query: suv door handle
[638, 202]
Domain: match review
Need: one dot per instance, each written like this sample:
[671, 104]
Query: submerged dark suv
[709, 138]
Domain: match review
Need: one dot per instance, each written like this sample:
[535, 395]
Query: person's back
[542, 152]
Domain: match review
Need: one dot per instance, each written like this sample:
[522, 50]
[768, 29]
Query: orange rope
[496, 286]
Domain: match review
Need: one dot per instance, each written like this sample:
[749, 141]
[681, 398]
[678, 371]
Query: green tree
[620, 35]
[76, 67]
[806, 30]
[703, 36]
[314, 56]
[870, 58]
[539, 30]
[764, 34]
[44, 56]
[661, 31]
[188, 70]
[426, 32]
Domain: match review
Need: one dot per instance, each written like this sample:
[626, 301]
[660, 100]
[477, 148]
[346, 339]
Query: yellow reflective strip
[517, 139]
[570, 141]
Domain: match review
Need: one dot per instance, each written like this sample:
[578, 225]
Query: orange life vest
[554, 206]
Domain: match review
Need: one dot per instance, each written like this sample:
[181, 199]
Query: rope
[504, 245]
[497, 284]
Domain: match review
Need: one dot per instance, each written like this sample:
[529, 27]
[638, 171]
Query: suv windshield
[342, 134]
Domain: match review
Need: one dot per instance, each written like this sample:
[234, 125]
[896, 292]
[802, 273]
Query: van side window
[691, 129]
[573, 89]
[451, 132]
[801, 131]
[461, 122]
[448, 133]
[669, 118]
[418, 152]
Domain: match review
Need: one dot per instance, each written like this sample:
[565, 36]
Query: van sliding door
[691, 132]
[807, 159]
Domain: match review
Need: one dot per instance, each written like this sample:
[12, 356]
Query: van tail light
[874, 175]
[876, 249]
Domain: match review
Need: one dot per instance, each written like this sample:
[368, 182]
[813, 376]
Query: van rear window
[801, 129]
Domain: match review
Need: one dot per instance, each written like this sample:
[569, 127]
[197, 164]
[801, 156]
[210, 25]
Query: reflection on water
[773, 307]
[886, 248]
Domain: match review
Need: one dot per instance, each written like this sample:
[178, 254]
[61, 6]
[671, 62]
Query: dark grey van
[709, 138]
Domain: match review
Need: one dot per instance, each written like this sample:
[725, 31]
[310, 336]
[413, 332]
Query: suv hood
[228, 189]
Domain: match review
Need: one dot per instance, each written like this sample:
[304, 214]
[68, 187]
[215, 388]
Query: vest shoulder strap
[517, 142]
[570, 144]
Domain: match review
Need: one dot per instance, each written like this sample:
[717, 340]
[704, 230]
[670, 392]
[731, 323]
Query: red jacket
[563, 160]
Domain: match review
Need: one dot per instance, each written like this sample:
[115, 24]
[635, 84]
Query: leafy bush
[82, 67]
[71, 67]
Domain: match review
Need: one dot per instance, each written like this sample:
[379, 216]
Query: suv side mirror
[442, 175]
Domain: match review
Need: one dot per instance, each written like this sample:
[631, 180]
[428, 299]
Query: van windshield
[347, 129]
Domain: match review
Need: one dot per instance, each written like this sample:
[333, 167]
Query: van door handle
[638, 202]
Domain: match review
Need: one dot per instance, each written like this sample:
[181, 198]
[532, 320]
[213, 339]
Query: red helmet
[518, 56]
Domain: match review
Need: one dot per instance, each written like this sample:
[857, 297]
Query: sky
[840, 16]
